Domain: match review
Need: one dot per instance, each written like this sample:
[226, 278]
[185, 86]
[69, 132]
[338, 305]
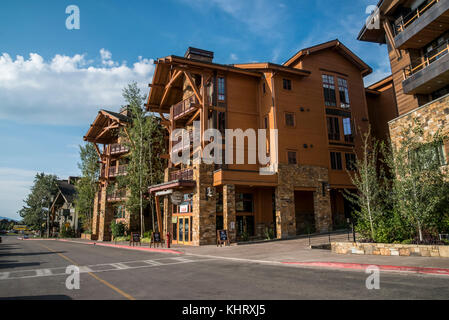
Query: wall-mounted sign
[174, 219]
[184, 209]
[177, 198]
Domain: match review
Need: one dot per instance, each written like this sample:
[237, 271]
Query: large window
[244, 202]
[290, 119]
[333, 128]
[336, 161]
[287, 84]
[347, 128]
[429, 155]
[221, 89]
[344, 93]
[120, 212]
[330, 98]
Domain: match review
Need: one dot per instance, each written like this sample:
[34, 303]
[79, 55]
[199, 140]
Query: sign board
[174, 219]
[184, 209]
[20, 228]
[223, 238]
[135, 239]
[156, 239]
[164, 193]
[177, 198]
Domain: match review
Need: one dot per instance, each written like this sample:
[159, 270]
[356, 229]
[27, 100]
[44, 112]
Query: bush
[117, 229]
[67, 232]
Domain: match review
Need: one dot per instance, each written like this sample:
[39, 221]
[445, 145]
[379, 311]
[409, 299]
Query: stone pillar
[323, 211]
[106, 213]
[204, 207]
[95, 214]
[229, 211]
[285, 211]
[167, 218]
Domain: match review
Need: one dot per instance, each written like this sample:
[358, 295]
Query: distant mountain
[9, 219]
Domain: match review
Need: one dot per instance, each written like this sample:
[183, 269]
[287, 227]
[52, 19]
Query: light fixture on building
[209, 192]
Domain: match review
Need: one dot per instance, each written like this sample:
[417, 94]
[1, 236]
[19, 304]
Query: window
[222, 123]
[429, 155]
[287, 84]
[264, 88]
[265, 122]
[347, 128]
[344, 93]
[292, 157]
[219, 204]
[336, 161]
[120, 212]
[289, 119]
[244, 202]
[333, 128]
[329, 91]
[221, 89]
[350, 161]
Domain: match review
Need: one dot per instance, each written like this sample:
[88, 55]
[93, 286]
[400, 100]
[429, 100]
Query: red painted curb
[360, 266]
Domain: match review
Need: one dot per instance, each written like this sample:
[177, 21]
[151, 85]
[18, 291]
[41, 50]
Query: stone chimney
[199, 54]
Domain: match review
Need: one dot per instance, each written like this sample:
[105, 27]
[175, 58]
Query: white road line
[4, 275]
[153, 263]
[182, 259]
[120, 266]
[85, 269]
[43, 272]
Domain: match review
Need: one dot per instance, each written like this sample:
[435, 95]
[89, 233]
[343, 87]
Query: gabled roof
[334, 44]
[66, 193]
[101, 131]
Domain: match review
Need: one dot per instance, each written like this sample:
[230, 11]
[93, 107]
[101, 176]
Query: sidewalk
[296, 252]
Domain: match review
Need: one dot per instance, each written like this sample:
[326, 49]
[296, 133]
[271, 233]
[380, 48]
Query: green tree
[87, 186]
[36, 210]
[420, 185]
[369, 179]
[145, 167]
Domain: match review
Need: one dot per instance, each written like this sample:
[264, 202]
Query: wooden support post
[159, 218]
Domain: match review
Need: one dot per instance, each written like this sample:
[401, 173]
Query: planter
[88, 236]
[388, 249]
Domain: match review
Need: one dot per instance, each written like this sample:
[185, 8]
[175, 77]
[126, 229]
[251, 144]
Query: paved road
[36, 270]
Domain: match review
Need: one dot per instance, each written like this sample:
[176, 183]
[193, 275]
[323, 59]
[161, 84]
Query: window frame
[287, 84]
[295, 152]
[289, 113]
[343, 87]
[325, 84]
[350, 163]
[338, 164]
[332, 120]
[221, 85]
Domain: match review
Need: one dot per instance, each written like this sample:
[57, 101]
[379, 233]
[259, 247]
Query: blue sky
[54, 80]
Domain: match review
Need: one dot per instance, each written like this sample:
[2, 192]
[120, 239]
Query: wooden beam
[112, 126]
[197, 113]
[193, 85]
[158, 214]
[390, 37]
[98, 150]
[168, 86]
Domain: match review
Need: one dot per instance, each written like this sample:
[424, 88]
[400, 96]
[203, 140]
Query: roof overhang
[272, 67]
[102, 129]
[176, 184]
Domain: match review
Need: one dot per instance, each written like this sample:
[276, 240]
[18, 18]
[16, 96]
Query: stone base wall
[295, 177]
[382, 249]
[433, 116]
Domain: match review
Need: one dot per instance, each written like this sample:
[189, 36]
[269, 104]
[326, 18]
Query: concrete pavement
[34, 270]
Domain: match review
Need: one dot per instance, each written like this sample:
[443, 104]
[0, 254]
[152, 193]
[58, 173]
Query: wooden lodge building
[318, 103]
[109, 202]
[416, 33]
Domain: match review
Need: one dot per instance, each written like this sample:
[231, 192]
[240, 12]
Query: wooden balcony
[185, 107]
[429, 73]
[181, 145]
[182, 175]
[407, 20]
[422, 26]
[118, 195]
[118, 148]
[120, 171]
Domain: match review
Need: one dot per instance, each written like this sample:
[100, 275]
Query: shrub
[66, 232]
[118, 229]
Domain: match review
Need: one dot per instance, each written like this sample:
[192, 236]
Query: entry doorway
[182, 230]
[305, 212]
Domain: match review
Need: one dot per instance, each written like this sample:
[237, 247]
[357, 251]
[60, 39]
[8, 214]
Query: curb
[112, 246]
[360, 266]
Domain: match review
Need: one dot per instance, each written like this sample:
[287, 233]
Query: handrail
[410, 70]
[416, 14]
[184, 106]
[186, 174]
[121, 170]
[118, 148]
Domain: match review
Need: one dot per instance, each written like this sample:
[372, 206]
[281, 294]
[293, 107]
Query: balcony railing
[185, 106]
[413, 16]
[426, 60]
[120, 171]
[116, 195]
[181, 145]
[118, 148]
[182, 175]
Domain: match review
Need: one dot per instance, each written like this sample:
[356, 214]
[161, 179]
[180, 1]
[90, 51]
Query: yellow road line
[121, 292]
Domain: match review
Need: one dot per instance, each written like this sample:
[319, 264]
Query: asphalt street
[37, 270]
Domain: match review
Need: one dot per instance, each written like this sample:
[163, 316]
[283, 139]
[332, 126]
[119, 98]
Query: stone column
[204, 207]
[167, 217]
[229, 211]
[323, 211]
[95, 214]
[285, 211]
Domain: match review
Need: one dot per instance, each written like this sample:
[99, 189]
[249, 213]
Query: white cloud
[234, 57]
[66, 90]
[15, 184]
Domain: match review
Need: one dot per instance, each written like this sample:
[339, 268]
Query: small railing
[426, 60]
[120, 171]
[184, 175]
[185, 106]
[413, 16]
[118, 148]
[116, 195]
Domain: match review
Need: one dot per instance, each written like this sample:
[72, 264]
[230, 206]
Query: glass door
[184, 230]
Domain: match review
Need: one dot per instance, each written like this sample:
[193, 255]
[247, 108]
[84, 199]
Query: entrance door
[184, 228]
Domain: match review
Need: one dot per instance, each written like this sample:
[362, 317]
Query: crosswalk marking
[120, 266]
[43, 272]
[153, 262]
[85, 269]
[4, 275]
